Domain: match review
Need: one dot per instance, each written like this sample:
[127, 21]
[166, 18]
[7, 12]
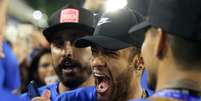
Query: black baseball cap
[140, 6]
[112, 30]
[69, 17]
[181, 18]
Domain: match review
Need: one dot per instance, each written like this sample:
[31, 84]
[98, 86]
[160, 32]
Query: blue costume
[10, 77]
[80, 94]
[7, 96]
[175, 94]
[51, 87]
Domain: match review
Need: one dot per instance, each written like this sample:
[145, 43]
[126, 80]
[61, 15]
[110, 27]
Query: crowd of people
[90, 54]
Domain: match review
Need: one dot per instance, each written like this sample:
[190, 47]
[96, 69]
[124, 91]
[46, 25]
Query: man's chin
[72, 83]
[102, 97]
[105, 96]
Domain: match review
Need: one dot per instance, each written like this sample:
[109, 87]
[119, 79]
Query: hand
[44, 97]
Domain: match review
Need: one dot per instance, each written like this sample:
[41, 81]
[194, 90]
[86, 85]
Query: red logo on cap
[69, 15]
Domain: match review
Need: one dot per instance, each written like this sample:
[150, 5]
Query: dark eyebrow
[97, 47]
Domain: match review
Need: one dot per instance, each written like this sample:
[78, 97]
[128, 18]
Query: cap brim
[139, 30]
[102, 41]
[50, 31]
[139, 27]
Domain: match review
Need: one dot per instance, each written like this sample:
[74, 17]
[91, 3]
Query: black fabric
[177, 17]
[112, 30]
[85, 23]
[140, 6]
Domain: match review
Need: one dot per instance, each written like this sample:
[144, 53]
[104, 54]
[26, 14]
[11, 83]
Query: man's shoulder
[79, 94]
[50, 86]
[139, 100]
[155, 99]
[7, 96]
[41, 90]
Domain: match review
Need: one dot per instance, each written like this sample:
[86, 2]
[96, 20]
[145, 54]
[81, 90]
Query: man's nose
[98, 62]
[68, 49]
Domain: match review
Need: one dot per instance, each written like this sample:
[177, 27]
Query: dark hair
[35, 64]
[135, 51]
[186, 53]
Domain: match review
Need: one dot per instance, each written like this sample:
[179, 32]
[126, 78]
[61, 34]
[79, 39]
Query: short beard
[83, 73]
[77, 80]
[73, 84]
[120, 92]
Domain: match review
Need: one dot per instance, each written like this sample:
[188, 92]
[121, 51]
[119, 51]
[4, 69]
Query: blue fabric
[183, 95]
[80, 94]
[7, 96]
[2, 74]
[51, 87]
[145, 84]
[139, 100]
[10, 67]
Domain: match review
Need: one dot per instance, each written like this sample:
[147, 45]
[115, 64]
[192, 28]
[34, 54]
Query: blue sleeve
[7, 96]
[80, 94]
[139, 100]
[25, 97]
[51, 87]
[2, 74]
[11, 68]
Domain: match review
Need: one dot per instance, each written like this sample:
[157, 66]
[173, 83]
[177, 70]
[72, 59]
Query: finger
[47, 94]
[38, 99]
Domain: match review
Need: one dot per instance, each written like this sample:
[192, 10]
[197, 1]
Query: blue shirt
[2, 74]
[7, 96]
[145, 84]
[51, 87]
[80, 94]
[9, 65]
[173, 94]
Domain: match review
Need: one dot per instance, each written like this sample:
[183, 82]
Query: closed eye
[111, 53]
[59, 43]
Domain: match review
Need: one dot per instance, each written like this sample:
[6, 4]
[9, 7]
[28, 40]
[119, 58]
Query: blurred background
[25, 21]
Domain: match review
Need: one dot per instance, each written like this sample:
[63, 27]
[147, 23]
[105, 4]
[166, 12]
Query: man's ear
[160, 46]
[138, 63]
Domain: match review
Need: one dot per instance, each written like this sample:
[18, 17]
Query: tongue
[103, 86]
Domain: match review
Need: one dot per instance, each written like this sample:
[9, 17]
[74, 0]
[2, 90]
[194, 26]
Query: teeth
[68, 70]
[99, 75]
[97, 72]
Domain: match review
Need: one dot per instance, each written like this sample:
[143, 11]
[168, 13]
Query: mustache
[69, 63]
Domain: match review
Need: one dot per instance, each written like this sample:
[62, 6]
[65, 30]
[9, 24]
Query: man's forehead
[100, 48]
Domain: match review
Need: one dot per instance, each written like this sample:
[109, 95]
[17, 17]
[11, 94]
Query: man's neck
[171, 76]
[62, 88]
[135, 90]
[89, 82]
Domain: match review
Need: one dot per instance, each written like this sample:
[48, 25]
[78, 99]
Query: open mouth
[69, 67]
[103, 81]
